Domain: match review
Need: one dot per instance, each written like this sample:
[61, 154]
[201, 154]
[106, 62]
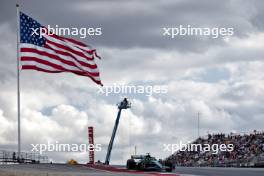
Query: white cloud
[61, 106]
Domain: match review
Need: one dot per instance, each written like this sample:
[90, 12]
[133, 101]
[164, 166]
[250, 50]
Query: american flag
[52, 53]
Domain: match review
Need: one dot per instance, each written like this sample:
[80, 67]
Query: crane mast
[125, 104]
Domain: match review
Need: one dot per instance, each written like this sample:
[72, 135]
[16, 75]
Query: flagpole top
[17, 5]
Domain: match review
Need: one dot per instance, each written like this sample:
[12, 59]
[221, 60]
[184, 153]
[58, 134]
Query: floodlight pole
[198, 124]
[123, 105]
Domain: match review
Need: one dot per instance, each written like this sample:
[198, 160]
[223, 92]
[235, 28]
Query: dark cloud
[129, 24]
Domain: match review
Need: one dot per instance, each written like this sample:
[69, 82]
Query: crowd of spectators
[248, 151]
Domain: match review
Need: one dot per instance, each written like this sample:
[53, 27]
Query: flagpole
[18, 86]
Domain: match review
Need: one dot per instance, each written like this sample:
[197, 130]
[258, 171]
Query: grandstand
[8, 157]
[248, 152]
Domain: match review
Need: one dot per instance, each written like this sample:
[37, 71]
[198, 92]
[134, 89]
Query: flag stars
[27, 25]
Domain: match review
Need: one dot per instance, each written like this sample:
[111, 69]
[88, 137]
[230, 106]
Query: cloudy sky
[221, 78]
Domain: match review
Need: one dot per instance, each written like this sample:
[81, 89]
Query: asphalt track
[81, 170]
[217, 171]
[62, 170]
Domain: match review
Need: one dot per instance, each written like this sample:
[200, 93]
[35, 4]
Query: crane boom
[123, 105]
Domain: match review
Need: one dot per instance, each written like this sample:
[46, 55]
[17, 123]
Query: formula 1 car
[148, 163]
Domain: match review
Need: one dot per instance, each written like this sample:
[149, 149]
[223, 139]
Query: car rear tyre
[131, 164]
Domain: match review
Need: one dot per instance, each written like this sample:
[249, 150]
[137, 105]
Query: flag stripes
[55, 54]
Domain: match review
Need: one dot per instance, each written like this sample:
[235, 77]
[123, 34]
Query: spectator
[247, 149]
